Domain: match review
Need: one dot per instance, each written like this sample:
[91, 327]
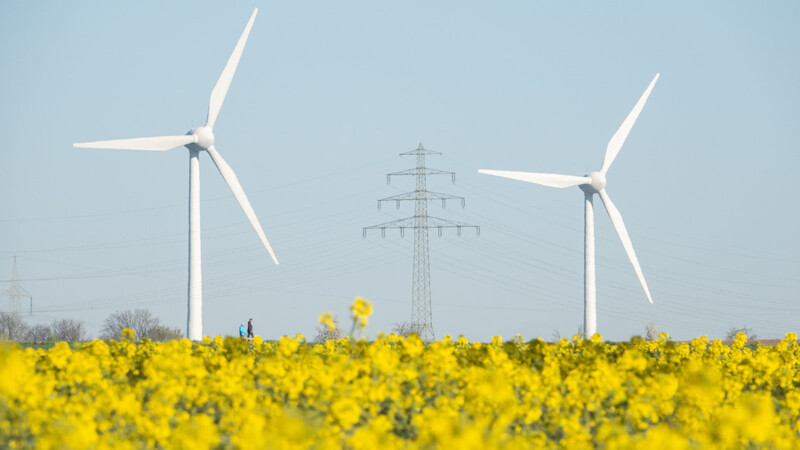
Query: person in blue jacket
[241, 330]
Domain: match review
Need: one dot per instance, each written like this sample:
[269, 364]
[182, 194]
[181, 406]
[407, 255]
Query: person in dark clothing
[250, 328]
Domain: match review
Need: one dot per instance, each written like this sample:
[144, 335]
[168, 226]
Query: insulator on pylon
[383, 232]
[379, 205]
[365, 233]
[444, 203]
[478, 231]
[397, 204]
[454, 178]
[440, 231]
[458, 231]
[463, 203]
[402, 232]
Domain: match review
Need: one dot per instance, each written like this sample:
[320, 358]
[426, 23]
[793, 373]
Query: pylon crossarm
[421, 195]
[441, 224]
[420, 171]
[420, 150]
[400, 224]
[17, 291]
[415, 222]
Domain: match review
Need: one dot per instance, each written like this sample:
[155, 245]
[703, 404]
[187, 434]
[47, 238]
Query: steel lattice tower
[421, 280]
[421, 315]
[15, 292]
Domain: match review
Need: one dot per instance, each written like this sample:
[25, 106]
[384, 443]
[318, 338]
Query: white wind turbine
[594, 183]
[197, 140]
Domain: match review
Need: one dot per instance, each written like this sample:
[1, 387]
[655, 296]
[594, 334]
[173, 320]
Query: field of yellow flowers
[397, 392]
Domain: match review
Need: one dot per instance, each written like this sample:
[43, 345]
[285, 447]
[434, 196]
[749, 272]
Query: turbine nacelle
[203, 138]
[597, 183]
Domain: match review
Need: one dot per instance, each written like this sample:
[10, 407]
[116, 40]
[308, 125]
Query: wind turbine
[594, 183]
[200, 139]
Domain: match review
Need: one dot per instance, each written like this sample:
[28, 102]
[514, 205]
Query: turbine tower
[197, 140]
[420, 222]
[594, 183]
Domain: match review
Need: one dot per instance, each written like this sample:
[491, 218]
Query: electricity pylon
[420, 222]
[15, 292]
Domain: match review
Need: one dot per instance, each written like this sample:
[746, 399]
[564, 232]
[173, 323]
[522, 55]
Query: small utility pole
[15, 292]
[420, 222]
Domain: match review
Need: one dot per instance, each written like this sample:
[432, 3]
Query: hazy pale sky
[327, 95]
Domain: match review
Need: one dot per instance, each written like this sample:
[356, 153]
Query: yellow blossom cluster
[326, 319]
[397, 392]
[360, 311]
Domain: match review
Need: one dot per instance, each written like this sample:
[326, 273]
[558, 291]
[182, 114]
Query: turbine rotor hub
[203, 137]
[597, 184]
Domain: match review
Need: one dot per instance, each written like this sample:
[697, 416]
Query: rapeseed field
[400, 392]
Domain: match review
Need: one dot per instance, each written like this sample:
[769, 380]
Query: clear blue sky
[329, 93]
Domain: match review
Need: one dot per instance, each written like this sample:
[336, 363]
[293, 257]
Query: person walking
[250, 328]
[241, 330]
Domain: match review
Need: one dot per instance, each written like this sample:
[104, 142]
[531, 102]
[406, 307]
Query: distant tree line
[144, 324]
[141, 321]
[13, 328]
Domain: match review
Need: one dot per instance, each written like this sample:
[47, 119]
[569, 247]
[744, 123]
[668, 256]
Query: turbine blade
[224, 82]
[615, 144]
[545, 179]
[157, 143]
[238, 192]
[619, 225]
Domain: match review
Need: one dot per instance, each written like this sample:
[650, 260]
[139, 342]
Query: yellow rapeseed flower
[360, 308]
[327, 320]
